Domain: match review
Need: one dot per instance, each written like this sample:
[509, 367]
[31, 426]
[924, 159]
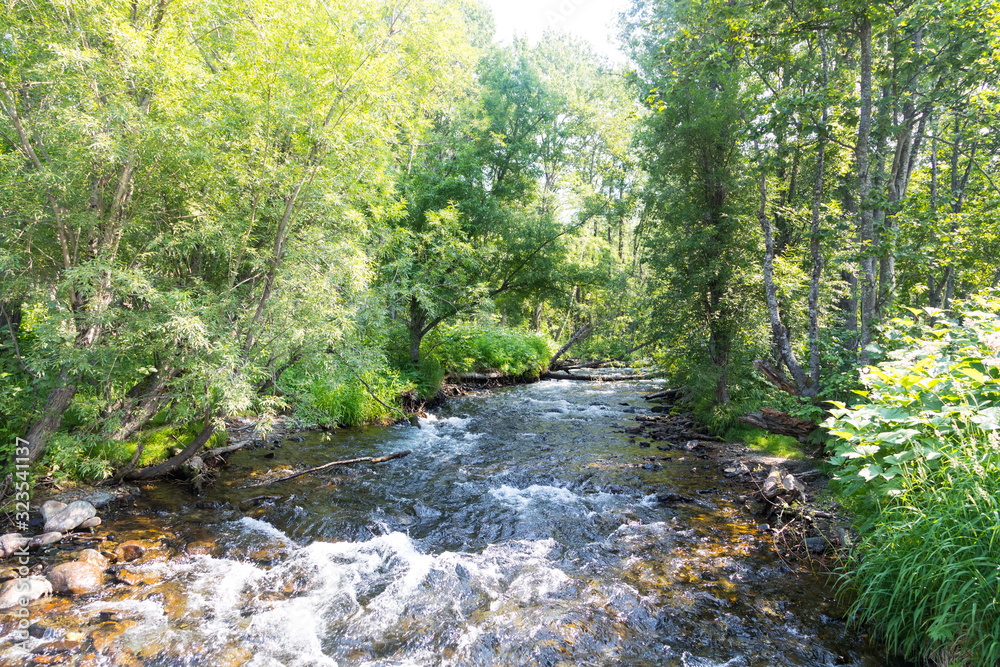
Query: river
[522, 530]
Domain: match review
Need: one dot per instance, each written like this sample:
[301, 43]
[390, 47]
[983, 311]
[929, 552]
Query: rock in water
[70, 517]
[76, 577]
[44, 540]
[52, 507]
[92, 522]
[94, 557]
[16, 592]
[11, 542]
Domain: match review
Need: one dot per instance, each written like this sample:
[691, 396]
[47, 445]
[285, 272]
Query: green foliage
[91, 458]
[919, 460]
[338, 393]
[473, 347]
[941, 387]
[776, 445]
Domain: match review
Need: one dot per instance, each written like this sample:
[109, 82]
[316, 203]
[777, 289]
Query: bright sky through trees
[593, 20]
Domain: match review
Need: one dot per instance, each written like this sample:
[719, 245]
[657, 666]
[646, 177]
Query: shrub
[473, 347]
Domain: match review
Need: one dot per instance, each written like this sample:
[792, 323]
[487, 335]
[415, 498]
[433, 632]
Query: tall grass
[927, 568]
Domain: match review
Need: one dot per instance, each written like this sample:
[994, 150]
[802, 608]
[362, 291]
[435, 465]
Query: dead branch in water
[365, 459]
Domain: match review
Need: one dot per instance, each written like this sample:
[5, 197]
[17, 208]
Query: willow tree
[193, 187]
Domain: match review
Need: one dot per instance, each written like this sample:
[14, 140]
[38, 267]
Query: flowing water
[522, 530]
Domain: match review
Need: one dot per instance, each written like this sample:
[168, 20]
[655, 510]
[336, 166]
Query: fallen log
[583, 331]
[780, 423]
[592, 378]
[672, 393]
[219, 451]
[475, 377]
[364, 459]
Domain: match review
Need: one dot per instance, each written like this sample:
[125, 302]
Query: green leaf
[899, 437]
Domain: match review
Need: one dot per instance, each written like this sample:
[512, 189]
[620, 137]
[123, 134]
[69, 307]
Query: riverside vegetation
[322, 209]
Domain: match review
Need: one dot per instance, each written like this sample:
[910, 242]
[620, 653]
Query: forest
[324, 208]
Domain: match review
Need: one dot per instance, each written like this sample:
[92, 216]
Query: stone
[58, 646]
[99, 498]
[105, 635]
[12, 542]
[92, 522]
[70, 517]
[816, 545]
[76, 578]
[44, 540]
[52, 507]
[128, 552]
[94, 557]
[15, 592]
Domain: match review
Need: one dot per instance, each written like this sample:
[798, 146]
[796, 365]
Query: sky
[592, 20]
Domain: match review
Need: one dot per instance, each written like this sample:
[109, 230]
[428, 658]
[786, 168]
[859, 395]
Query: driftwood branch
[672, 394]
[364, 459]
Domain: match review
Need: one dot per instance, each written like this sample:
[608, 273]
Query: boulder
[70, 517]
[17, 592]
[44, 540]
[12, 542]
[52, 507]
[76, 577]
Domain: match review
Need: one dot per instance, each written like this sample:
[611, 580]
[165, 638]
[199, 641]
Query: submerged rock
[129, 551]
[94, 557]
[16, 592]
[70, 517]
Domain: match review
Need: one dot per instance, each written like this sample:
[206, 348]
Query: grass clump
[762, 441]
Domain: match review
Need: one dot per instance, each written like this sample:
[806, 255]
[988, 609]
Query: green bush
[939, 387]
[919, 463]
[472, 347]
[337, 395]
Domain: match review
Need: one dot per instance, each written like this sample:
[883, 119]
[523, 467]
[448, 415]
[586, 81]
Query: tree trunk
[582, 331]
[866, 228]
[814, 232]
[170, 465]
[58, 401]
[143, 402]
[780, 423]
[801, 385]
[417, 323]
